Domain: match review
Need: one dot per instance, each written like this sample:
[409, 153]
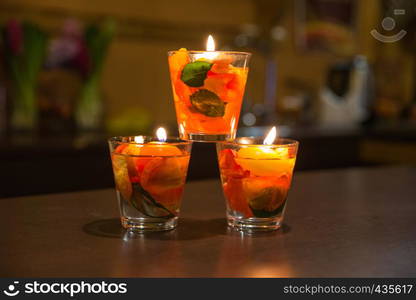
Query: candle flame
[270, 137]
[210, 53]
[161, 134]
[210, 43]
[139, 139]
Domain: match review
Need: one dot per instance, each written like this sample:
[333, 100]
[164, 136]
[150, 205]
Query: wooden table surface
[350, 223]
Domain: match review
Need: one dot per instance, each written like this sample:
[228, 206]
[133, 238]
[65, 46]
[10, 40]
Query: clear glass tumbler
[256, 179]
[208, 89]
[150, 177]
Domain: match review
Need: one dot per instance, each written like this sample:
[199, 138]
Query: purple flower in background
[14, 37]
[69, 48]
[61, 50]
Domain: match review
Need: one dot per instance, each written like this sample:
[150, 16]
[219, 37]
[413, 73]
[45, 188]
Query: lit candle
[160, 147]
[150, 175]
[154, 148]
[252, 156]
[256, 176]
[269, 151]
[210, 54]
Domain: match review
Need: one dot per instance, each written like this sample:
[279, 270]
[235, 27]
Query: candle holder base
[255, 224]
[141, 225]
[206, 138]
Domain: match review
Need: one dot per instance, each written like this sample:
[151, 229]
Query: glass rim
[177, 140]
[219, 51]
[285, 142]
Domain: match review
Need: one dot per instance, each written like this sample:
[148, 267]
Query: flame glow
[282, 152]
[245, 141]
[161, 134]
[271, 136]
[139, 139]
[210, 43]
[210, 54]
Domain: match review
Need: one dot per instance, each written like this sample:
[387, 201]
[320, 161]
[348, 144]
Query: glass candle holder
[208, 89]
[149, 176]
[256, 179]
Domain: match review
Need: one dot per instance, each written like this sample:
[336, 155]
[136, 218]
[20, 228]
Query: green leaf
[269, 203]
[259, 213]
[143, 201]
[194, 74]
[208, 103]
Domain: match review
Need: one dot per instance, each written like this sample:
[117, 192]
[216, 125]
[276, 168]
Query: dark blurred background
[338, 75]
